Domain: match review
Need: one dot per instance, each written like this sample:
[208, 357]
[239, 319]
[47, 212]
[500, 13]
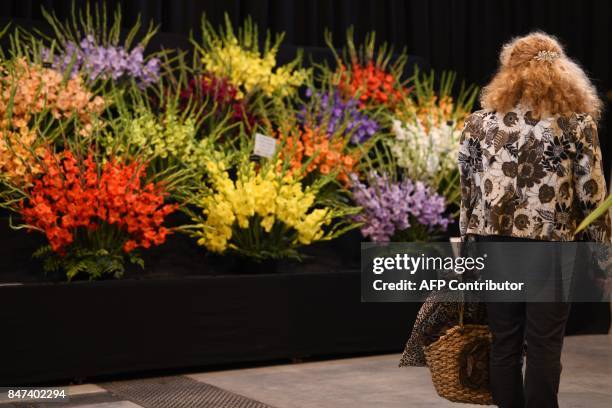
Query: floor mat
[178, 392]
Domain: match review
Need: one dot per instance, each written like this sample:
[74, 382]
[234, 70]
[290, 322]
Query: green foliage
[438, 96]
[383, 55]
[247, 35]
[94, 263]
[94, 21]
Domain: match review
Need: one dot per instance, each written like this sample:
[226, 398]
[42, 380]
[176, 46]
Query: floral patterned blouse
[531, 178]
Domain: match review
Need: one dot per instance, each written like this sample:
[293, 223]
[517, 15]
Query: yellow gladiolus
[310, 229]
[275, 199]
[248, 70]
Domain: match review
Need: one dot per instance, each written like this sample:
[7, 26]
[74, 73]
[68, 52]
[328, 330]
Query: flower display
[100, 143]
[336, 114]
[221, 94]
[75, 202]
[239, 59]
[311, 150]
[105, 62]
[390, 208]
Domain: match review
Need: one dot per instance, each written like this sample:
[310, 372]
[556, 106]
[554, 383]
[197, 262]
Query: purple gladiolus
[105, 62]
[334, 113]
[389, 206]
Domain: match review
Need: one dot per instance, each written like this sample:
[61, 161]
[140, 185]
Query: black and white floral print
[473, 158]
[530, 177]
[530, 169]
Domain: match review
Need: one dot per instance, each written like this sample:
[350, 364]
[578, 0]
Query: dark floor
[347, 383]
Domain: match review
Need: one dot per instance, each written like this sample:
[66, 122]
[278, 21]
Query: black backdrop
[462, 35]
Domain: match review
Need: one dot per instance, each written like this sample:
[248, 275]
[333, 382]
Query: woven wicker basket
[459, 365]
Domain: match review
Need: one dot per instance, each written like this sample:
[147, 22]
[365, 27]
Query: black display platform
[55, 332]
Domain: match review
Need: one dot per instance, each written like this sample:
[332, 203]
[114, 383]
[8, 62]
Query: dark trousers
[542, 326]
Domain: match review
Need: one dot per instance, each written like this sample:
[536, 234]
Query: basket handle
[461, 307]
[462, 304]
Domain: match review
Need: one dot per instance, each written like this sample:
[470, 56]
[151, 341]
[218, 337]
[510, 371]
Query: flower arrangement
[309, 150]
[28, 94]
[221, 94]
[239, 59]
[398, 210]
[167, 137]
[264, 213]
[94, 216]
[368, 74]
[105, 62]
[87, 46]
[28, 88]
[371, 84]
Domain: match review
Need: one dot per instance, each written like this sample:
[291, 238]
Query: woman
[530, 167]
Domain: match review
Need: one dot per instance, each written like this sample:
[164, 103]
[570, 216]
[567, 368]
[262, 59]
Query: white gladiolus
[425, 154]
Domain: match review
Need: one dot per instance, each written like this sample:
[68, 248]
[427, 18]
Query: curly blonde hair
[534, 71]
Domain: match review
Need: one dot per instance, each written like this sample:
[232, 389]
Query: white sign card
[265, 146]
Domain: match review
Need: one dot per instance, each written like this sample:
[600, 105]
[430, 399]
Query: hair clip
[548, 56]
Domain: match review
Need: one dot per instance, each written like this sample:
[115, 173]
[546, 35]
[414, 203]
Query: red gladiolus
[73, 194]
[371, 83]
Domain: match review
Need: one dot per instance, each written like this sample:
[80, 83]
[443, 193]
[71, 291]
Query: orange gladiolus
[322, 153]
[26, 90]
